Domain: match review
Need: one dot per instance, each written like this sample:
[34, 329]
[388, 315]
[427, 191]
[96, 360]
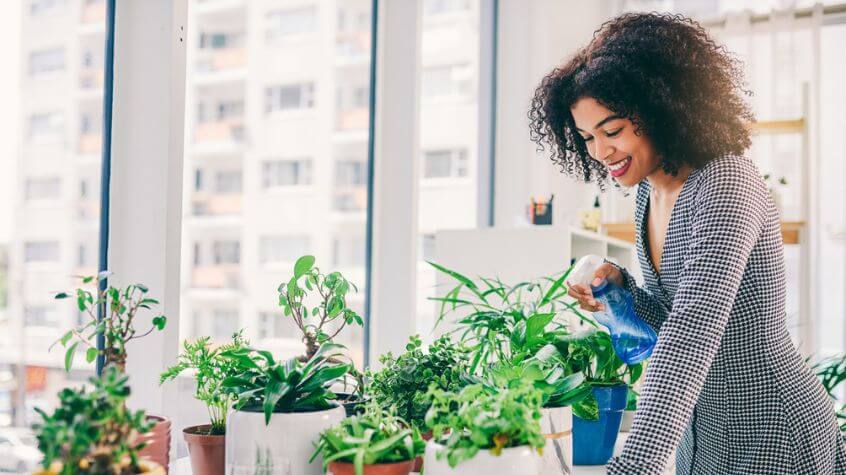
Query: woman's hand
[583, 294]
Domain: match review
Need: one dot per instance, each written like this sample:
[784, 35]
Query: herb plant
[403, 382]
[374, 437]
[210, 368]
[258, 380]
[331, 308]
[476, 419]
[119, 308]
[92, 431]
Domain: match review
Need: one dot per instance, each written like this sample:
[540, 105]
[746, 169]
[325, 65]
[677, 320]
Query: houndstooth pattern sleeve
[727, 221]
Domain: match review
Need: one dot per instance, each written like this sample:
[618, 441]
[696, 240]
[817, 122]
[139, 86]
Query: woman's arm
[728, 217]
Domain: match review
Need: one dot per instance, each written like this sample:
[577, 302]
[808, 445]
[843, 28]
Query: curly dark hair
[665, 74]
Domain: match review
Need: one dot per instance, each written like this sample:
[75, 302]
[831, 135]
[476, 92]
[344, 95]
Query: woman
[653, 101]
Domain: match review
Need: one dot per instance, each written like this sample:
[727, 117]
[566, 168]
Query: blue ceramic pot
[593, 441]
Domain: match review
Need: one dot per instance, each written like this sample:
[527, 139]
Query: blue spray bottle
[632, 338]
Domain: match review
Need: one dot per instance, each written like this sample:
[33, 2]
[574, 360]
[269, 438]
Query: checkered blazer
[725, 385]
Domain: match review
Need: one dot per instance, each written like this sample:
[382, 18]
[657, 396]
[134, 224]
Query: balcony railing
[215, 60]
[222, 276]
[226, 130]
[352, 119]
[205, 204]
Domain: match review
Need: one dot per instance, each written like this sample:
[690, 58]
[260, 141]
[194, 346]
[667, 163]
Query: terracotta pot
[418, 461]
[158, 442]
[397, 468]
[208, 452]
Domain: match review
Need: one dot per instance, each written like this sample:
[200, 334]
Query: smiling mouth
[619, 168]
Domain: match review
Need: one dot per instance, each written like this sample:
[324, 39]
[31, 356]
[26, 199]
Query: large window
[50, 127]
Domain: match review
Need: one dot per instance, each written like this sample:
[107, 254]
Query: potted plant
[403, 382]
[119, 308]
[597, 419]
[206, 443]
[510, 326]
[375, 442]
[832, 373]
[92, 432]
[281, 407]
[317, 304]
[481, 432]
[352, 393]
[775, 191]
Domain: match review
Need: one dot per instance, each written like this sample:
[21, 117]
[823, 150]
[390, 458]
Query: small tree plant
[119, 308]
[331, 307]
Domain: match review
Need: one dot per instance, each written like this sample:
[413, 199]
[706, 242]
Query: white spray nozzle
[585, 269]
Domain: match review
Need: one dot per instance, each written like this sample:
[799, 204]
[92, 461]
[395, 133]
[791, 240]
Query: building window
[41, 251]
[39, 316]
[226, 252]
[446, 81]
[282, 249]
[350, 173]
[82, 256]
[285, 23]
[220, 40]
[278, 173]
[445, 163]
[48, 188]
[289, 97]
[46, 127]
[225, 322]
[348, 251]
[198, 258]
[46, 61]
[228, 181]
[47, 7]
[83, 189]
[219, 111]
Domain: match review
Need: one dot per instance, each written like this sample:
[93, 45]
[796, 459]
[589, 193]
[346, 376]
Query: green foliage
[92, 431]
[403, 382]
[257, 380]
[592, 354]
[331, 308]
[500, 322]
[546, 371]
[376, 436]
[119, 308]
[477, 419]
[832, 373]
[210, 368]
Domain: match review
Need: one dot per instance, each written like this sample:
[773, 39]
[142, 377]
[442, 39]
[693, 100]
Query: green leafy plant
[331, 308]
[259, 381]
[119, 308]
[403, 382]
[210, 368]
[477, 419]
[832, 373]
[374, 437]
[546, 371]
[592, 354]
[91, 432]
[499, 322]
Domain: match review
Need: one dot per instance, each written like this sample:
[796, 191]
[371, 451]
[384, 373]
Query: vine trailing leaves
[475, 419]
[119, 308]
[210, 368]
[403, 381]
[330, 310]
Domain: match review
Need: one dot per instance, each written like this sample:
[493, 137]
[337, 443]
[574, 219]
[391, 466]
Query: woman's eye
[613, 133]
[587, 139]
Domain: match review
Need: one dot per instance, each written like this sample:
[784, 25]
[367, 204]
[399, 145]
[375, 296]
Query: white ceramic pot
[285, 444]
[557, 427]
[516, 460]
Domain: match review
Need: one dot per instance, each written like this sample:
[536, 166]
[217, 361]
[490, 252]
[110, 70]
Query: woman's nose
[602, 150]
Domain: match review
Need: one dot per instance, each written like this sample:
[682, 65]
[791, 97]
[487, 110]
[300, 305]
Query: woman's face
[612, 141]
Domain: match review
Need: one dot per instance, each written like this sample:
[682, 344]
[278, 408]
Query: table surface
[183, 465]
